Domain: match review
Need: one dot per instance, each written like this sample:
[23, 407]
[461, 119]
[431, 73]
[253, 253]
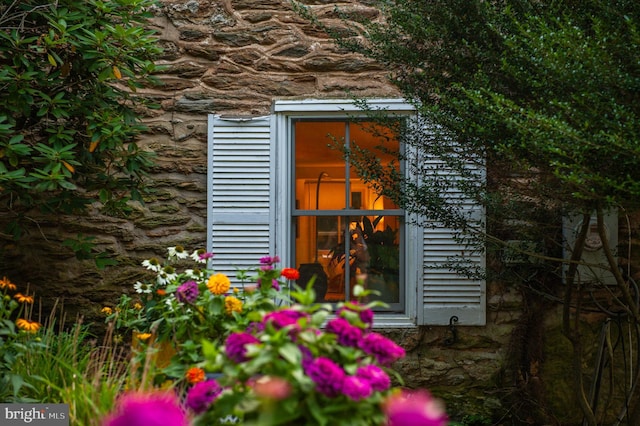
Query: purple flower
[327, 375]
[187, 292]
[149, 409]
[415, 408]
[268, 260]
[283, 318]
[356, 388]
[376, 376]
[385, 350]
[274, 284]
[235, 346]
[348, 335]
[201, 395]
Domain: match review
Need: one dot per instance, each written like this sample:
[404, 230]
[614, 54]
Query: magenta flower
[356, 388]
[385, 350]
[149, 409]
[283, 318]
[348, 335]
[205, 256]
[187, 292]
[327, 375]
[201, 395]
[268, 260]
[236, 346]
[376, 376]
[415, 408]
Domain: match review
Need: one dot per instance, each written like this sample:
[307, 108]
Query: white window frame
[284, 112]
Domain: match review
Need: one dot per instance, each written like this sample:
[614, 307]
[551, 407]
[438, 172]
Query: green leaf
[291, 353]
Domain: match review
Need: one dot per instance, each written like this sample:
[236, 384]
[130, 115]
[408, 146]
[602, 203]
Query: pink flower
[201, 395]
[376, 376]
[327, 375]
[385, 350]
[417, 408]
[149, 409]
[236, 346]
[205, 256]
[272, 387]
[283, 318]
[348, 335]
[356, 388]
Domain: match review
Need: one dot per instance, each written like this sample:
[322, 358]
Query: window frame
[284, 114]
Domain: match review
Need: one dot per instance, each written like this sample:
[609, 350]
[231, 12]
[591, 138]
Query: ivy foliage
[69, 71]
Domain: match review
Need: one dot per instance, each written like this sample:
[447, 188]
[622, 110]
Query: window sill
[385, 321]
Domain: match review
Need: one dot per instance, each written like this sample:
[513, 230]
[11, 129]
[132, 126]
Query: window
[344, 232]
[276, 188]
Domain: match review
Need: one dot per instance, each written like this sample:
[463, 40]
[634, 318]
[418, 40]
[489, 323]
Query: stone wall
[234, 57]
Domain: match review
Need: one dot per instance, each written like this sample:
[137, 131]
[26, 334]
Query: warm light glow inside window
[337, 212]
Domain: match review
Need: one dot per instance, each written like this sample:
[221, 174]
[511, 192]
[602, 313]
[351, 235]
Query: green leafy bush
[68, 73]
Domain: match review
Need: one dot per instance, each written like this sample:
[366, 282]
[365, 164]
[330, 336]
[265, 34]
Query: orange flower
[161, 292]
[143, 336]
[27, 325]
[232, 304]
[218, 283]
[195, 375]
[6, 284]
[22, 298]
[290, 273]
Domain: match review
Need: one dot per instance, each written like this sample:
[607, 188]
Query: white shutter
[443, 291]
[239, 179]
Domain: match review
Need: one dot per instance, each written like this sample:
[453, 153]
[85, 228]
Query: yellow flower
[143, 336]
[195, 375]
[22, 298]
[106, 310]
[6, 284]
[27, 325]
[137, 306]
[218, 283]
[232, 304]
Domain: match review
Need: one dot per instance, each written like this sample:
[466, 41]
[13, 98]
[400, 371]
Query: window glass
[345, 232]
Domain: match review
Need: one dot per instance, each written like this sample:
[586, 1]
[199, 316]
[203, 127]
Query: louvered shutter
[239, 192]
[446, 293]
[443, 291]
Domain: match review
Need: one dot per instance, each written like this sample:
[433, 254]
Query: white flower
[165, 278]
[152, 264]
[141, 287]
[190, 273]
[178, 251]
